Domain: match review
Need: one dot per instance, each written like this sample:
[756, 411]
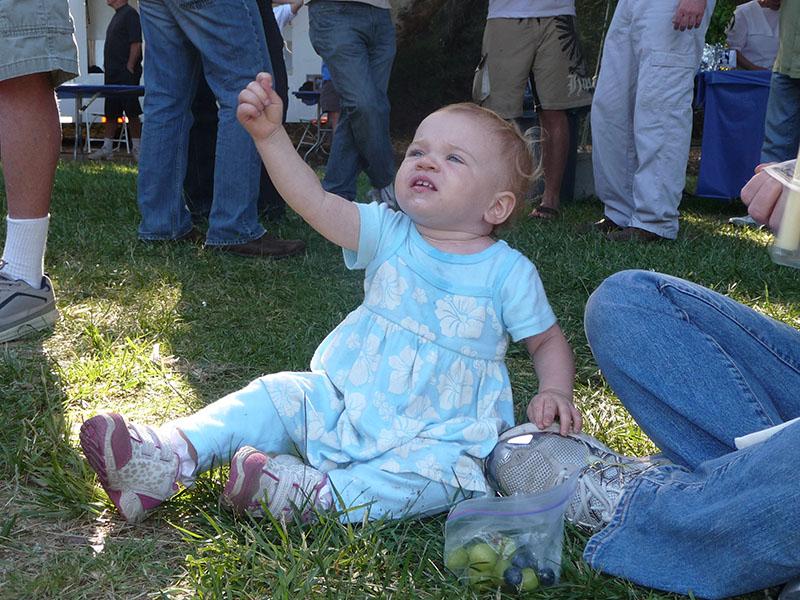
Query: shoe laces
[293, 488]
[600, 487]
[155, 447]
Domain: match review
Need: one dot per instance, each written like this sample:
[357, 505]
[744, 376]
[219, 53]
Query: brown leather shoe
[267, 246]
[604, 225]
[633, 234]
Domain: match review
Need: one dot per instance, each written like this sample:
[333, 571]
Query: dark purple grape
[546, 577]
[513, 576]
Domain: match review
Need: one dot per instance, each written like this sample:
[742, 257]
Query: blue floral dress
[414, 379]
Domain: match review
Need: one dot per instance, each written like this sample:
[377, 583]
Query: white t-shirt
[283, 15]
[754, 33]
[524, 9]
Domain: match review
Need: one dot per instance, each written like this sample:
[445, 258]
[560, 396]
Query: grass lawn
[156, 331]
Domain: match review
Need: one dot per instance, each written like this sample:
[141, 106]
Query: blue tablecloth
[79, 90]
[733, 129]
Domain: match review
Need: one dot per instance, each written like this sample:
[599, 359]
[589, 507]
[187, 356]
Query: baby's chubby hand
[549, 405]
[260, 109]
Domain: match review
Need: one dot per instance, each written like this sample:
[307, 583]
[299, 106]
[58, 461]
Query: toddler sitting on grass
[410, 392]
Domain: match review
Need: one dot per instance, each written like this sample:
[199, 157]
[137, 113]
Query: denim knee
[600, 314]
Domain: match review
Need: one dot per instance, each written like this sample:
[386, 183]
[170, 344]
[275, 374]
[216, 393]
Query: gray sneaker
[24, 309]
[101, 153]
[527, 460]
[384, 195]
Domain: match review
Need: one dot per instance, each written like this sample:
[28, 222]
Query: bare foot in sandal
[545, 213]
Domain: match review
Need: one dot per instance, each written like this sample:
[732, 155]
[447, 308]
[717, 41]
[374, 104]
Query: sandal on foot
[545, 213]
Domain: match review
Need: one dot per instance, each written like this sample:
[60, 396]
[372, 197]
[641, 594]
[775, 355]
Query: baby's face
[450, 173]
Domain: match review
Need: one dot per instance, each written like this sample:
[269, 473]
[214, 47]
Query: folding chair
[317, 131]
[122, 135]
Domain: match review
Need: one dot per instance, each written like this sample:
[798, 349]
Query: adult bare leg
[30, 135]
[555, 147]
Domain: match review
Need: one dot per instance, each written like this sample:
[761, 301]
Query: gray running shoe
[527, 460]
[385, 195]
[101, 153]
[24, 309]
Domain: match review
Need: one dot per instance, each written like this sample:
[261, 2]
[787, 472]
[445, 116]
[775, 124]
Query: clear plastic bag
[511, 542]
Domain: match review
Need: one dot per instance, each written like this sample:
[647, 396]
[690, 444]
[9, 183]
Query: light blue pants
[252, 417]
[696, 369]
[226, 37]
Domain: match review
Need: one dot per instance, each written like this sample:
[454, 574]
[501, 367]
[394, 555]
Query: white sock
[26, 240]
[135, 143]
[108, 144]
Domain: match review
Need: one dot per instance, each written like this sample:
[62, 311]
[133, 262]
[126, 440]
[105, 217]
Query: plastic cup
[785, 249]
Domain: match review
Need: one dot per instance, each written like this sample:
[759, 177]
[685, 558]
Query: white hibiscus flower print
[419, 295]
[429, 467]
[353, 341]
[460, 316]
[356, 403]
[420, 329]
[494, 371]
[387, 288]
[421, 408]
[455, 386]
[487, 402]
[401, 364]
[469, 351]
[413, 445]
[466, 468]
[385, 409]
[366, 363]
[387, 438]
[286, 396]
[502, 346]
[348, 437]
[315, 427]
[479, 431]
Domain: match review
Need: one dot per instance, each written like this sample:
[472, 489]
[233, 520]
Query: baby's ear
[501, 208]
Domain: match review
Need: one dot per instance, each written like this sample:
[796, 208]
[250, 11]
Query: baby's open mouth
[422, 182]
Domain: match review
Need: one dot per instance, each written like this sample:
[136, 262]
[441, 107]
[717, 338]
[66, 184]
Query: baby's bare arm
[260, 112]
[554, 364]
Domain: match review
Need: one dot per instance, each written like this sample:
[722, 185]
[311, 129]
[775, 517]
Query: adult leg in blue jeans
[782, 123]
[228, 39]
[357, 42]
[697, 369]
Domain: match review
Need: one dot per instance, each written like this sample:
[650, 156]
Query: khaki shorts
[36, 36]
[546, 47]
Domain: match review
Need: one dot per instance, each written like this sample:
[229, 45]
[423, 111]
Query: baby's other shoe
[284, 483]
[137, 468]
